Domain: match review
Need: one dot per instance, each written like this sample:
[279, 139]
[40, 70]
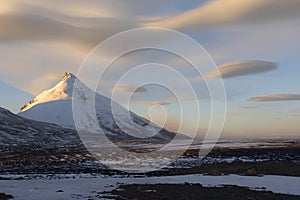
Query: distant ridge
[18, 131]
[12, 97]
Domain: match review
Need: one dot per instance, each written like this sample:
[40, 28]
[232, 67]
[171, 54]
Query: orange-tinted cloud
[277, 97]
[241, 68]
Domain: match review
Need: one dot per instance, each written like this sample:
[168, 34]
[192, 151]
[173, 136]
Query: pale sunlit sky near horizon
[254, 43]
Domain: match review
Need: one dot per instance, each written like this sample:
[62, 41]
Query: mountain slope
[61, 91]
[16, 131]
[55, 106]
[28, 146]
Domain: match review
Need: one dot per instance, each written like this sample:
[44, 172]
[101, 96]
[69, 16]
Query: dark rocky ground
[4, 196]
[76, 160]
[192, 191]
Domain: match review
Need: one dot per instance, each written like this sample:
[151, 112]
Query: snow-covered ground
[89, 186]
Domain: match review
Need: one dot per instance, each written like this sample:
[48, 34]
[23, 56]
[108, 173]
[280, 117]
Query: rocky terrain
[192, 191]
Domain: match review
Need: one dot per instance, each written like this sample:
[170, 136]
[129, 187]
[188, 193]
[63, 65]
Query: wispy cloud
[75, 23]
[146, 95]
[241, 68]
[248, 107]
[130, 88]
[276, 97]
[152, 103]
[228, 12]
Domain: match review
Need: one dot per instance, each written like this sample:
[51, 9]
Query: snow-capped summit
[62, 90]
[55, 106]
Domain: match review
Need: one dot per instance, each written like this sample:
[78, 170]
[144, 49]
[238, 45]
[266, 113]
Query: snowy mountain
[55, 106]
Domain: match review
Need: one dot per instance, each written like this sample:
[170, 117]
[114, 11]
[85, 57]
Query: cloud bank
[76, 23]
[241, 68]
[276, 97]
[86, 24]
[229, 12]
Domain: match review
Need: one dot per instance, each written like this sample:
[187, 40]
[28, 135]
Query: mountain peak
[63, 90]
[66, 83]
[67, 76]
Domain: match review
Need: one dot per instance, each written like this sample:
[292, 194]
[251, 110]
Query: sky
[254, 44]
